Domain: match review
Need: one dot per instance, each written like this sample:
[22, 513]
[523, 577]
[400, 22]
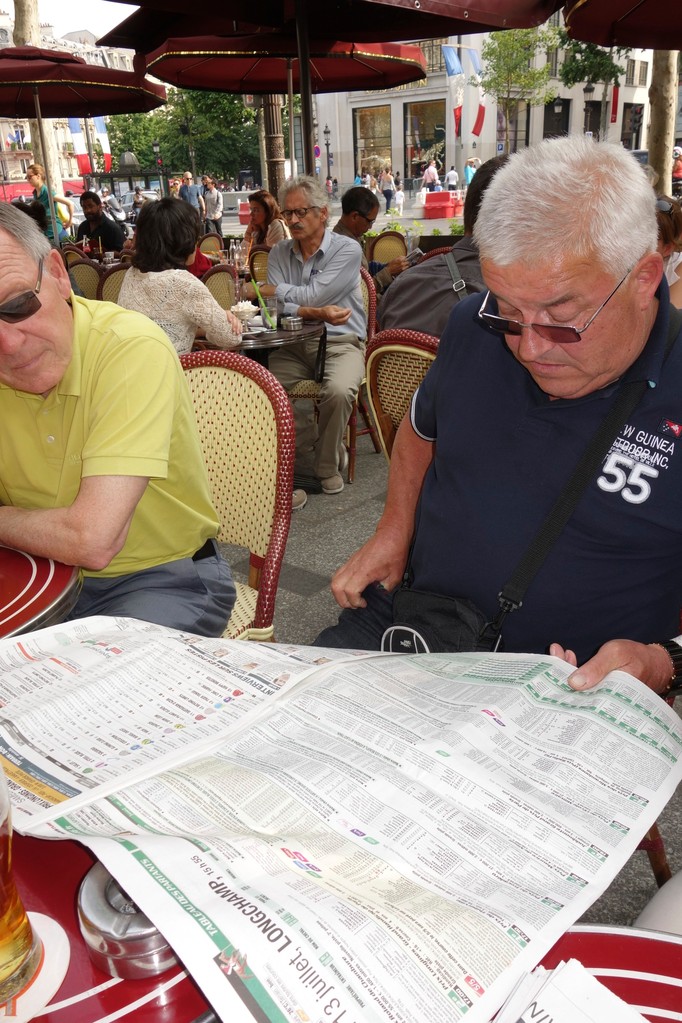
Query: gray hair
[314, 193]
[573, 197]
[25, 231]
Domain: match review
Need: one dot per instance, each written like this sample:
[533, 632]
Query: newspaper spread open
[333, 838]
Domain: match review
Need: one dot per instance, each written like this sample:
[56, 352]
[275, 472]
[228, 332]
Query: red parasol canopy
[51, 83]
[68, 86]
[642, 23]
[260, 64]
[363, 20]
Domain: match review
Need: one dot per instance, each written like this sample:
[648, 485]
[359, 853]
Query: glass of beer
[20, 950]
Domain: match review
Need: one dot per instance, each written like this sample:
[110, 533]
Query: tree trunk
[603, 111]
[27, 32]
[663, 100]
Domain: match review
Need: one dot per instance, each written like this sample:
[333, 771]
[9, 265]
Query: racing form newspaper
[334, 838]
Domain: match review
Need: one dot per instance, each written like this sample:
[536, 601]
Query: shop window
[424, 128]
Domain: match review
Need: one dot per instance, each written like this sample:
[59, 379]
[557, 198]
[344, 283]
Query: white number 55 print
[627, 476]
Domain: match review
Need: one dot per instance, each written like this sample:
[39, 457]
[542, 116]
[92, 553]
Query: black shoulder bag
[431, 623]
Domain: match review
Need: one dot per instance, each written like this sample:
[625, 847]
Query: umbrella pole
[48, 182]
[91, 156]
[305, 86]
[290, 100]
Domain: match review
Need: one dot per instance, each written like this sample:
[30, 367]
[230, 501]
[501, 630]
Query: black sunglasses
[24, 305]
[555, 333]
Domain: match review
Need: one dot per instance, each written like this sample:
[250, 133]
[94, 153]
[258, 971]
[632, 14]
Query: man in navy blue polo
[524, 375]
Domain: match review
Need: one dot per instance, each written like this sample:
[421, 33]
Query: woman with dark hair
[266, 226]
[158, 285]
[669, 219]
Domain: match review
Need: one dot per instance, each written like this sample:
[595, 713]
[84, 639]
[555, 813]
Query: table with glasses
[644, 968]
[34, 592]
[262, 339]
[48, 875]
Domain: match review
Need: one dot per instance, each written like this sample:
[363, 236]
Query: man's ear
[647, 274]
[56, 269]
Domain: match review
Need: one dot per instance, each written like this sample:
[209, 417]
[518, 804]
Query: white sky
[71, 15]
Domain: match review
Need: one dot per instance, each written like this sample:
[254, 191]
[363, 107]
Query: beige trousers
[343, 373]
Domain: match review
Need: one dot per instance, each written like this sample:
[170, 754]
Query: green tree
[196, 130]
[508, 71]
[133, 133]
[589, 63]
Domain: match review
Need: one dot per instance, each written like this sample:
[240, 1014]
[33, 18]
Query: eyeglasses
[369, 220]
[557, 334]
[664, 206]
[300, 213]
[24, 305]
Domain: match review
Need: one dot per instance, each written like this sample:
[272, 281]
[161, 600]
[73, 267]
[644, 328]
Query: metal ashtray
[292, 323]
[121, 940]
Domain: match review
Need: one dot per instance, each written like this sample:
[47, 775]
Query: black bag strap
[458, 285]
[513, 592]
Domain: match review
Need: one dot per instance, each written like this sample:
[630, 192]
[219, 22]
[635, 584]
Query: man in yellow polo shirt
[100, 461]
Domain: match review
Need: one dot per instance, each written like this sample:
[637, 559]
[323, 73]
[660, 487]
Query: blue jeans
[363, 627]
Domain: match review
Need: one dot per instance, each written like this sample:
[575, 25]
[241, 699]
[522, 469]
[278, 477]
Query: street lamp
[156, 147]
[327, 136]
[588, 92]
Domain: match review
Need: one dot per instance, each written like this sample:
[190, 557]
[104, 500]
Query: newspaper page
[88, 704]
[568, 994]
[388, 837]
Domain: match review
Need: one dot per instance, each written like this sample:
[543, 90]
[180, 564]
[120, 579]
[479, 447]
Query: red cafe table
[34, 592]
[644, 968]
[48, 876]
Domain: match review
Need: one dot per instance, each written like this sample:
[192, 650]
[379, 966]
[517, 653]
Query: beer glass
[20, 950]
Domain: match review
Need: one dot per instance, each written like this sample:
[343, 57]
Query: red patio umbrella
[51, 83]
[642, 23]
[364, 20]
[259, 64]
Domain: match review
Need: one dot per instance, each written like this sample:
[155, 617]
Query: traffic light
[637, 116]
[159, 161]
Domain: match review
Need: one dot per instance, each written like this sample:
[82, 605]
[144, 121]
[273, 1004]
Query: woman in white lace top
[158, 285]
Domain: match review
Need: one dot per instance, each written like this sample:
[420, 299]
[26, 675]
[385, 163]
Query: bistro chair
[387, 246]
[221, 282]
[211, 243]
[86, 273]
[110, 283]
[442, 251]
[396, 363]
[258, 263]
[70, 253]
[246, 428]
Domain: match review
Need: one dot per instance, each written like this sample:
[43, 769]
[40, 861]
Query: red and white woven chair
[110, 282]
[246, 427]
[222, 283]
[86, 273]
[397, 362]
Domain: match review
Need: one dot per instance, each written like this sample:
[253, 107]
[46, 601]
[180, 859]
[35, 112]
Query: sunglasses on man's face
[555, 333]
[24, 305]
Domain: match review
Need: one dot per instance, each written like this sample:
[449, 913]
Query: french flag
[79, 147]
[103, 139]
[455, 73]
[480, 116]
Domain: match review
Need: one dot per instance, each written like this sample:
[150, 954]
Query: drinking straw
[263, 306]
